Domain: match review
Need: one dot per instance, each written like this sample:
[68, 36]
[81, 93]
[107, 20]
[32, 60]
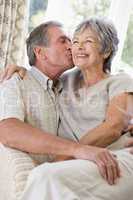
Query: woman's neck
[93, 76]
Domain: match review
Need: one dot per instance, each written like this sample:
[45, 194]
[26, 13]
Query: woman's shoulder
[120, 83]
[121, 78]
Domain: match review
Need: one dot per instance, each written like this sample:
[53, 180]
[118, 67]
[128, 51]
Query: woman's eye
[89, 41]
[75, 42]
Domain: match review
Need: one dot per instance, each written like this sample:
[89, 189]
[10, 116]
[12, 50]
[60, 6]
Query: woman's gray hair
[39, 36]
[107, 36]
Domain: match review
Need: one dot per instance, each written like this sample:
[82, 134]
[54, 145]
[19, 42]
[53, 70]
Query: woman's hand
[10, 70]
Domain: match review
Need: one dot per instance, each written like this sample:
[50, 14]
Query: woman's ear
[107, 54]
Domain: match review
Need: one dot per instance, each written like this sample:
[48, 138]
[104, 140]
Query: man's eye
[62, 40]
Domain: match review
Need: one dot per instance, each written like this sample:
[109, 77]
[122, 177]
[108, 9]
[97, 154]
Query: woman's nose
[80, 45]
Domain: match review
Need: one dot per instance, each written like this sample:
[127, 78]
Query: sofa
[15, 166]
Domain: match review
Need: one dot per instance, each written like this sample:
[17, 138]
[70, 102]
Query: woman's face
[86, 49]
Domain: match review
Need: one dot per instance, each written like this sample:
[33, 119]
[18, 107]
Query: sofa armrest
[14, 169]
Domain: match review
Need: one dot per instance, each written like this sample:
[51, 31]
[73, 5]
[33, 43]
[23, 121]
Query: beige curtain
[13, 30]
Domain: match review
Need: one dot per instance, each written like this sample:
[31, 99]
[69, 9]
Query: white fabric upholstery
[14, 169]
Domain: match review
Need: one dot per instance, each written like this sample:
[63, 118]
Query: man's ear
[39, 52]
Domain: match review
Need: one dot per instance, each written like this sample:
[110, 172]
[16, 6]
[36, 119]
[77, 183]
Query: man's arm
[22, 136]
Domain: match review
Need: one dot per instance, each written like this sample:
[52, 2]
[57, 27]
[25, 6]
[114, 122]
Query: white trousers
[79, 180]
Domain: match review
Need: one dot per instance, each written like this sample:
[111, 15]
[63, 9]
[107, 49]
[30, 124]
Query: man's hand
[10, 70]
[107, 163]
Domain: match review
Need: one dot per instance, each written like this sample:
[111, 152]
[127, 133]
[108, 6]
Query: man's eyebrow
[65, 37]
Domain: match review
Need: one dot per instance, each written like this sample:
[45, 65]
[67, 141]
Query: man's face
[58, 52]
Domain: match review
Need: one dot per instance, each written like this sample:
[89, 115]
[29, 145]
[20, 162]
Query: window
[72, 12]
[86, 8]
[37, 12]
[83, 9]
[127, 55]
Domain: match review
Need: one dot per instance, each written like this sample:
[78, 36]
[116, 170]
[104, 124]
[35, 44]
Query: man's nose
[69, 45]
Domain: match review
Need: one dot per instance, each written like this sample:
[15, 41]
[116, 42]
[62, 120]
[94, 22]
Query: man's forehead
[57, 32]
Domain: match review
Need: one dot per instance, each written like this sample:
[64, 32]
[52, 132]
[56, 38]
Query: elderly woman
[91, 105]
[92, 100]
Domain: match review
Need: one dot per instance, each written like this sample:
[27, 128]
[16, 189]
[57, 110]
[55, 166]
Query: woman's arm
[111, 129]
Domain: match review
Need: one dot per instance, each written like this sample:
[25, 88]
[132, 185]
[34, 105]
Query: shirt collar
[44, 80]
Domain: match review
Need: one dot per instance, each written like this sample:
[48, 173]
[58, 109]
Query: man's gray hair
[107, 35]
[39, 36]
